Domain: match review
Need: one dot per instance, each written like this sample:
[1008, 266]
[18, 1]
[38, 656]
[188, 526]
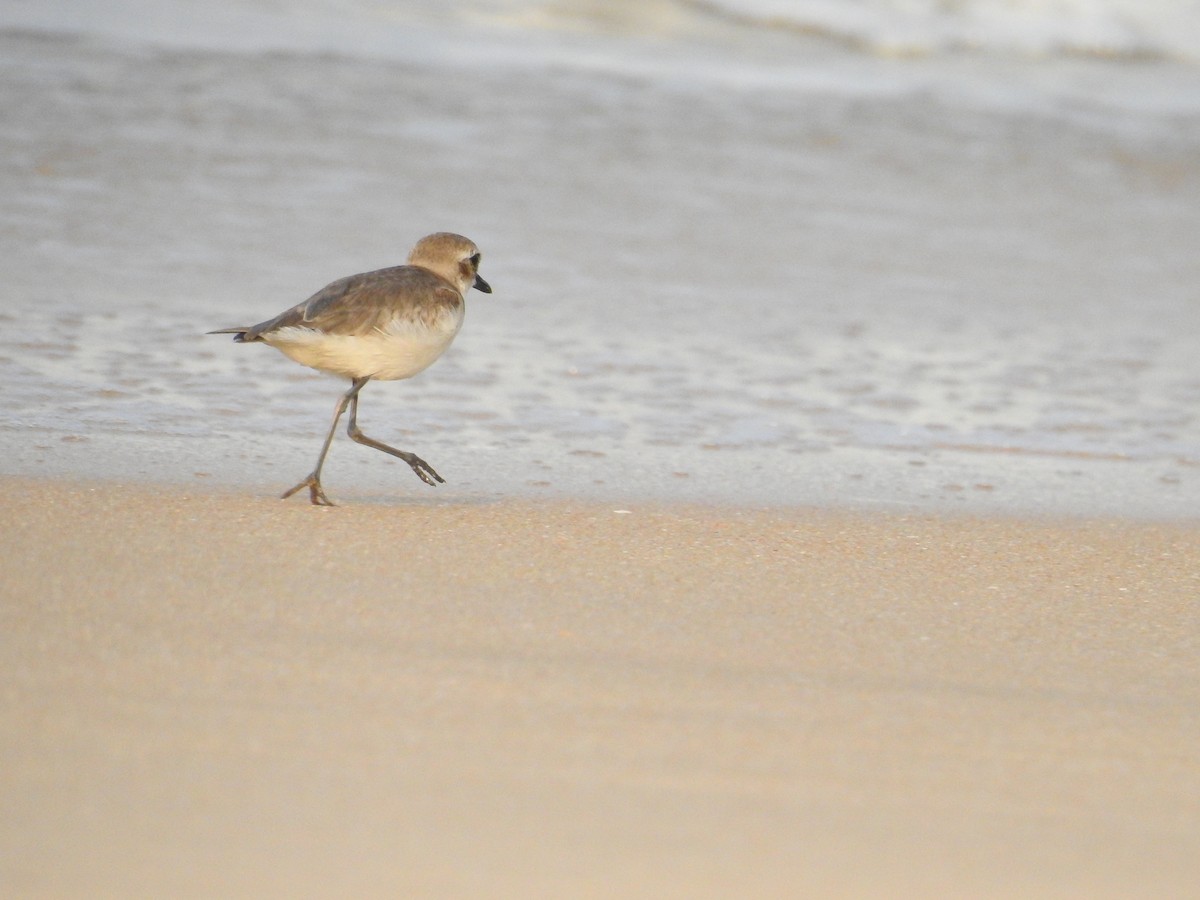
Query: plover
[388, 324]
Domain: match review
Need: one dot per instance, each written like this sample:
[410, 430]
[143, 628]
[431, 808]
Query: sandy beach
[822, 502]
[219, 694]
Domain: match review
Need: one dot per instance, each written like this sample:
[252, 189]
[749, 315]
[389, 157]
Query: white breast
[401, 350]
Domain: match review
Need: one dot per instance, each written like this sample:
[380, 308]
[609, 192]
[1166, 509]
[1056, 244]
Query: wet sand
[220, 694]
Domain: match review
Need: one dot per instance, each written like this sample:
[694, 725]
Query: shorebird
[387, 324]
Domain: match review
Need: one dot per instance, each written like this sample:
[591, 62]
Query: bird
[384, 325]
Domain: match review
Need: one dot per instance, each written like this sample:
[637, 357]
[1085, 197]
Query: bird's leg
[313, 481]
[423, 470]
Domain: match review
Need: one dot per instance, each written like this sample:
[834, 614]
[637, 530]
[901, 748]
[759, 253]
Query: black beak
[482, 285]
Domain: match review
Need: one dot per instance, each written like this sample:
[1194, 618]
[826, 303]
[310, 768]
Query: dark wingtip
[239, 334]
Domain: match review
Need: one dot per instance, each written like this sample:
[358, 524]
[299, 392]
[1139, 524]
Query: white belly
[401, 351]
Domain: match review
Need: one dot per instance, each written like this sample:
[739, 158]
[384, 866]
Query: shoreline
[220, 694]
[952, 482]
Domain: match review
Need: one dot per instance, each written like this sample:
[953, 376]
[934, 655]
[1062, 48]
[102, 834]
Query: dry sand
[212, 695]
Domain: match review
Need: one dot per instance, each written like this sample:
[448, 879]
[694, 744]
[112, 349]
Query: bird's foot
[315, 494]
[423, 469]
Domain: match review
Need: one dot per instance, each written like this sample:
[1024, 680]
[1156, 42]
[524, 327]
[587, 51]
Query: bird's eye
[475, 260]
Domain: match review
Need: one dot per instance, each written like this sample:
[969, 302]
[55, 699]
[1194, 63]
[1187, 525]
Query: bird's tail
[239, 334]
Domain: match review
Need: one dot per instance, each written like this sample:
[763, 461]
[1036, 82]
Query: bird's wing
[361, 304]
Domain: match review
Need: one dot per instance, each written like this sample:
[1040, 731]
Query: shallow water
[966, 293]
